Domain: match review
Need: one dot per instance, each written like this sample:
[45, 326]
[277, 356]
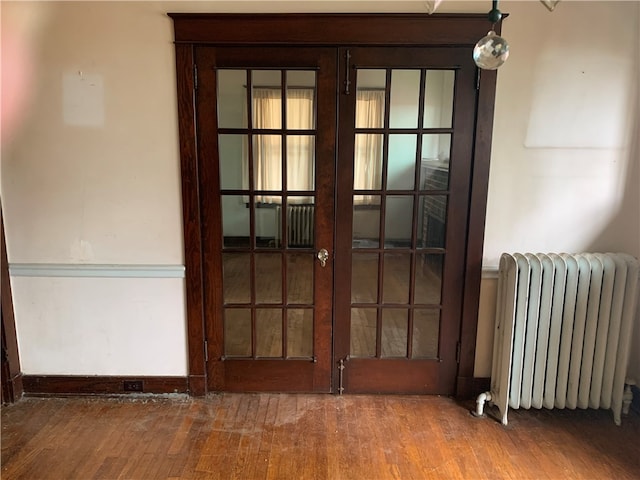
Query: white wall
[100, 326]
[91, 175]
[565, 109]
[564, 167]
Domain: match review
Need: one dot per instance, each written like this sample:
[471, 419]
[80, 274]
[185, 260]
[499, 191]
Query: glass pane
[398, 221]
[438, 99]
[267, 162]
[268, 219]
[366, 221]
[394, 332]
[269, 332]
[426, 328]
[367, 162]
[234, 166]
[405, 97]
[235, 221]
[402, 162]
[267, 98]
[434, 169]
[300, 222]
[432, 220]
[364, 278]
[395, 282]
[301, 165]
[363, 332]
[370, 98]
[268, 277]
[301, 111]
[300, 332]
[236, 277]
[428, 274]
[300, 278]
[237, 332]
[232, 99]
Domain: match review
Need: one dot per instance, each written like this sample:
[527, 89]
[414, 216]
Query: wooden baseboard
[54, 385]
[471, 387]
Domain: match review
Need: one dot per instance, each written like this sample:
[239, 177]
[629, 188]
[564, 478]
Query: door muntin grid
[400, 199]
[267, 169]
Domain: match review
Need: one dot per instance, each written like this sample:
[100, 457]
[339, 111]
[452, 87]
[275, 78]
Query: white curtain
[267, 149]
[300, 148]
[367, 162]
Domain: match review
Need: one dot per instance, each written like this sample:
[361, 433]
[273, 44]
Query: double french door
[334, 196]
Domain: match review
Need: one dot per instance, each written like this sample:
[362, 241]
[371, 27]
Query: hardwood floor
[280, 436]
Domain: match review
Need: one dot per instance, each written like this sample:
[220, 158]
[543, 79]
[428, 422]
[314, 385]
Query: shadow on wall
[627, 219]
[563, 112]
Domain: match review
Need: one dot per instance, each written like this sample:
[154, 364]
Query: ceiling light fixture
[492, 50]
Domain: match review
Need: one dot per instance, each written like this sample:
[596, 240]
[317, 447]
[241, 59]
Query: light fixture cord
[495, 14]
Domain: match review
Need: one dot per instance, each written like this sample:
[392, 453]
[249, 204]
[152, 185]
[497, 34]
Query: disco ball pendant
[491, 51]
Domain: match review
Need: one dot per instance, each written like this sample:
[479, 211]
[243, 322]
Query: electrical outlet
[132, 386]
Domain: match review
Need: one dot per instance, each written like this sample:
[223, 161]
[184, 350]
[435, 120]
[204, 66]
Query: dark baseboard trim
[471, 387]
[52, 385]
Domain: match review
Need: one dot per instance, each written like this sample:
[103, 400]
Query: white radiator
[300, 225]
[563, 330]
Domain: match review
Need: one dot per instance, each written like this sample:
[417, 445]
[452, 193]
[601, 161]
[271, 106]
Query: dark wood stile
[11, 371]
[475, 235]
[191, 220]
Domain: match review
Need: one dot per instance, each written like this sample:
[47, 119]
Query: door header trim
[331, 29]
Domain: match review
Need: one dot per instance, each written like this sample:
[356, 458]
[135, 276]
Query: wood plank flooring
[281, 436]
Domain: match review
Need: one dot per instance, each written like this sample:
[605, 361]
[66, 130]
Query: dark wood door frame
[11, 374]
[325, 30]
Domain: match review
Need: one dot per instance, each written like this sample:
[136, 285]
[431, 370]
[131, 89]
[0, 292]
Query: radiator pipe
[482, 398]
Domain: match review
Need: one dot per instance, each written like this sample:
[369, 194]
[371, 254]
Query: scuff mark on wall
[83, 99]
[81, 251]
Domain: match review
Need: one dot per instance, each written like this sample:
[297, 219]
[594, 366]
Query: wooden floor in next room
[281, 436]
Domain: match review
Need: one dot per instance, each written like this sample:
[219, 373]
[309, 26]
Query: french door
[402, 218]
[334, 190]
[266, 142]
[334, 179]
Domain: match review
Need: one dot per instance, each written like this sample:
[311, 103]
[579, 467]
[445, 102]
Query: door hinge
[206, 351]
[347, 80]
[458, 351]
[478, 79]
[341, 367]
[195, 76]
